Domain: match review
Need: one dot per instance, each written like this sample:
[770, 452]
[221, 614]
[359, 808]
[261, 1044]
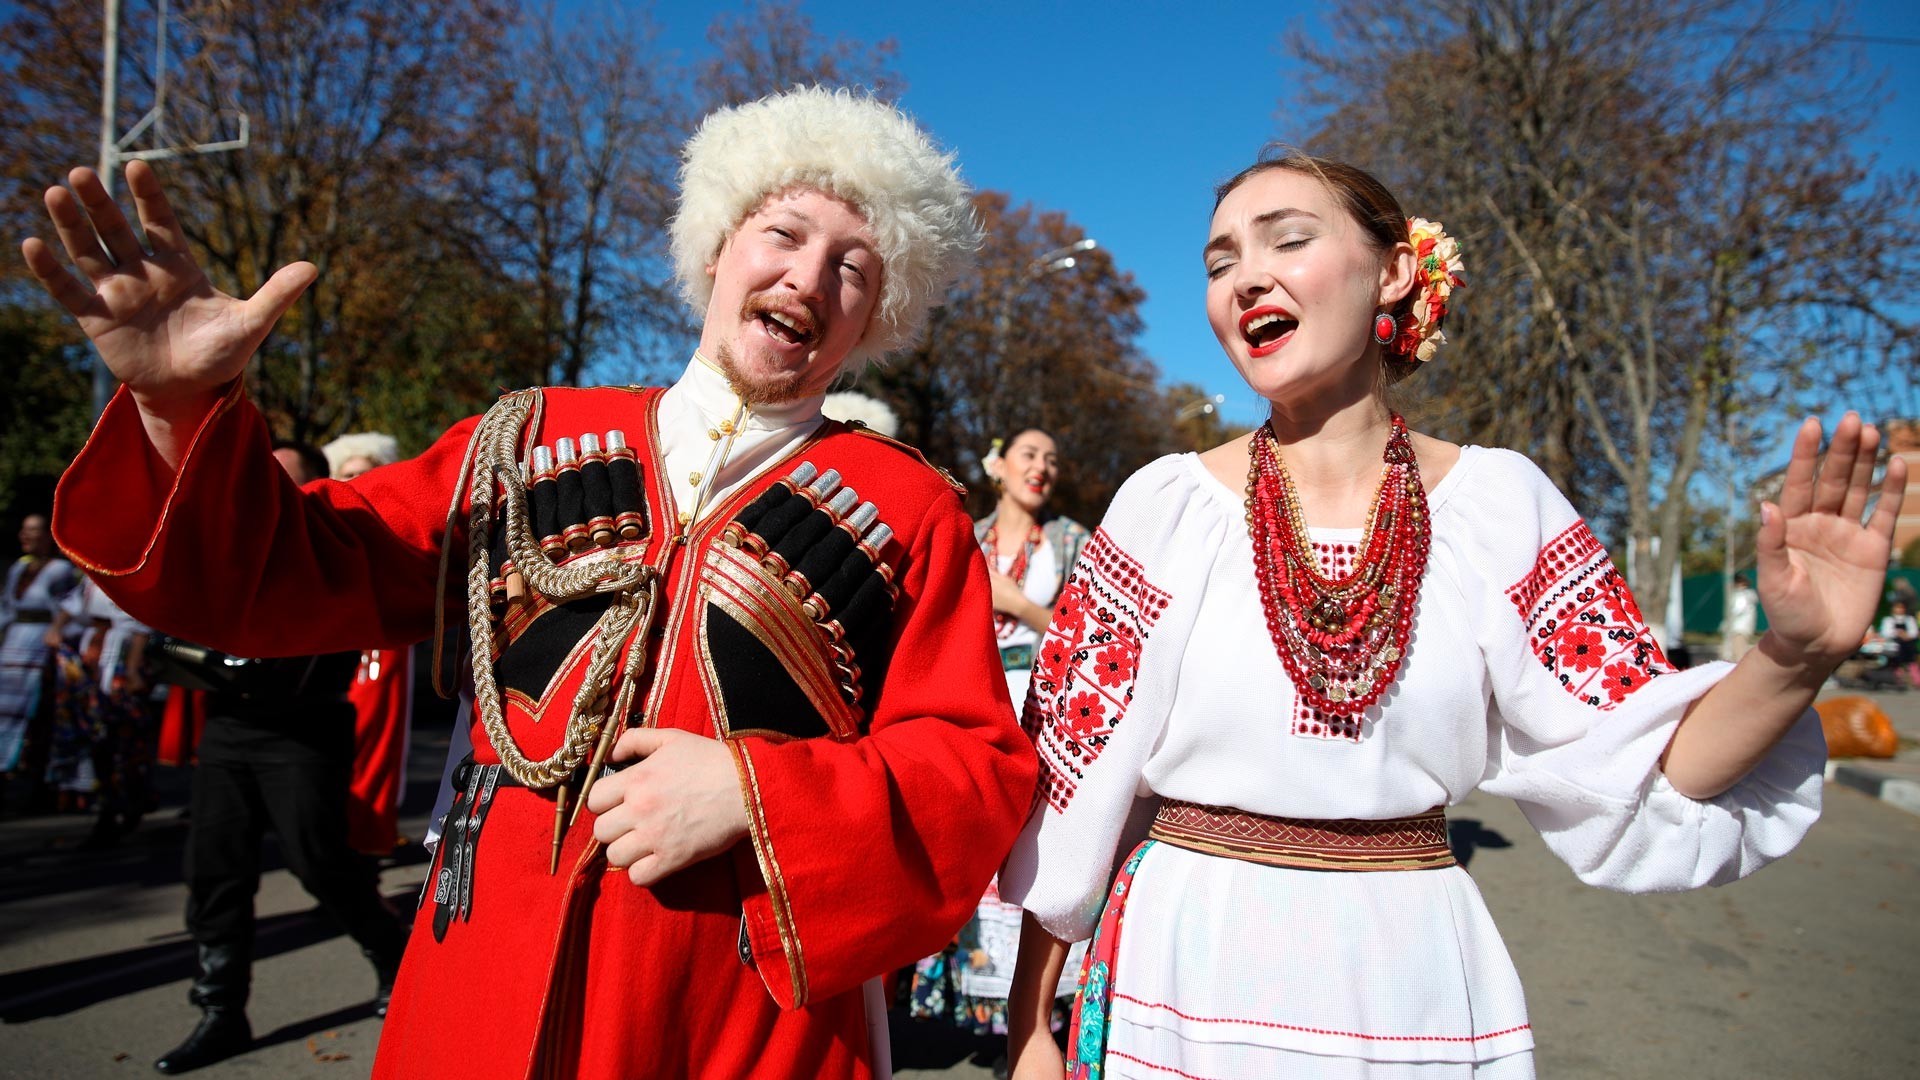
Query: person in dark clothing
[276, 754]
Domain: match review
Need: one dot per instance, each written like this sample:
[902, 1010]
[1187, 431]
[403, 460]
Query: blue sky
[1124, 116]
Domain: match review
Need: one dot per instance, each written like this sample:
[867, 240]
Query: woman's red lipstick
[1261, 315]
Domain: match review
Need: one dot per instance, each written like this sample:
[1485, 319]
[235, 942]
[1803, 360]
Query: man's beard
[778, 388]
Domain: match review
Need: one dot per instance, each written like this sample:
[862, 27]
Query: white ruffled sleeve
[1103, 683]
[1584, 701]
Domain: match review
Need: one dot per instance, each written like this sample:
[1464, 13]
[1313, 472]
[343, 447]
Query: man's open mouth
[786, 325]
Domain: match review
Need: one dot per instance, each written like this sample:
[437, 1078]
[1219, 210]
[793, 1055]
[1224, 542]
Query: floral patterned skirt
[967, 983]
[935, 994]
[102, 738]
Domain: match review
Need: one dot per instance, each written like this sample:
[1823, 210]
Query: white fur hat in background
[383, 449]
[851, 405]
[849, 145]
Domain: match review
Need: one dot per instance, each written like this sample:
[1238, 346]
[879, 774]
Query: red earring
[1384, 329]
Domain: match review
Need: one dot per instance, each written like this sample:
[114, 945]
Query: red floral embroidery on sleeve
[1582, 623]
[1084, 674]
[1116, 664]
[1582, 648]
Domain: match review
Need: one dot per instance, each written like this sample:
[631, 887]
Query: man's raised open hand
[160, 325]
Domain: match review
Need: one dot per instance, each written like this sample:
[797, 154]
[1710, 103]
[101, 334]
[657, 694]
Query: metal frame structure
[114, 150]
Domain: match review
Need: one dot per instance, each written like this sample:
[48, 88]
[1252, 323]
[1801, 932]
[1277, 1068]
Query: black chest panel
[794, 599]
[534, 655]
[796, 602]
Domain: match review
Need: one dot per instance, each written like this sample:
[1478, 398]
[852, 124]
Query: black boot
[105, 834]
[373, 926]
[223, 1031]
[385, 968]
[226, 975]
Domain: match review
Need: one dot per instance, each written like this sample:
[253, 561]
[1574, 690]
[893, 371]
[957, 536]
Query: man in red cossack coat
[742, 743]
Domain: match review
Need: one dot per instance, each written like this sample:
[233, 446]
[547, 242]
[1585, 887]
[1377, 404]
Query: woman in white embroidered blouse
[1029, 552]
[1457, 627]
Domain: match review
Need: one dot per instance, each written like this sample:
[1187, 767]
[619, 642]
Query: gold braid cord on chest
[791, 600]
[499, 485]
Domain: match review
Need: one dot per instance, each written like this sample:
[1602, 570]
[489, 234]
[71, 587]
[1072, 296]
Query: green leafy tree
[45, 407]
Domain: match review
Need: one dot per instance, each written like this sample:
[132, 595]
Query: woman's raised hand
[1821, 570]
[159, 324]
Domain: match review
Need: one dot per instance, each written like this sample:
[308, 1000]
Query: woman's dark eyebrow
[1281, 214]
[1224, 242]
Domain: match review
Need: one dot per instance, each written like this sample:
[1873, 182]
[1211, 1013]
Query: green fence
[1702, 597]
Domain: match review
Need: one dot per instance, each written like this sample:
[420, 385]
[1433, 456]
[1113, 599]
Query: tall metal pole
[114, 149]
[103, 380]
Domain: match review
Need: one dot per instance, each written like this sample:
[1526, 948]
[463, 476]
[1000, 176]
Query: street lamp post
[1053, 262]
[1205, 406]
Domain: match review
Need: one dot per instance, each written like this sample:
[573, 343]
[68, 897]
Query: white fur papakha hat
[383, 449]
[852, 146]
[850, 405]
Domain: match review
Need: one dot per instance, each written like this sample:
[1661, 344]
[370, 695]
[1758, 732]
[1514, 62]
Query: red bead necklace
[1003, 624]
[1342, 639]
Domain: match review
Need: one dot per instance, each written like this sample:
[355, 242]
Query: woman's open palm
[1821, 569]
[159, 324]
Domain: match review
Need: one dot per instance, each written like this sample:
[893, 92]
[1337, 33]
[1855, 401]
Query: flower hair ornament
[1437, 272]
[993, 457]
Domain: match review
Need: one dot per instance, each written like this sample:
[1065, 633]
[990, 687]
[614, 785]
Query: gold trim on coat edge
[799, 648]
[770, 873]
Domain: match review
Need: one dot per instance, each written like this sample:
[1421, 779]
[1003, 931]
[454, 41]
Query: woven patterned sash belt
[1409, 843]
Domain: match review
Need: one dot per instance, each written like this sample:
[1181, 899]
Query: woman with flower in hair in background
[1280, 661]
[1029, 552]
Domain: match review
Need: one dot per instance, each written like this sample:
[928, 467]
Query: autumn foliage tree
[568, 183]
[772, 45]
[348, 102]
[484, 185]
[1026, 341]
[1669, 229]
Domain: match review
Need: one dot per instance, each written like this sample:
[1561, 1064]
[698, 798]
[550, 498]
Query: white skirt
[1229, 969]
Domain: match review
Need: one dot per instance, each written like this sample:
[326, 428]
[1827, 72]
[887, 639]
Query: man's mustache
[797, 315]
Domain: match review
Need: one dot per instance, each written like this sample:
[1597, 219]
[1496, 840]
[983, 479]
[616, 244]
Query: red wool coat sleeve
[253, 565]
[873, 853]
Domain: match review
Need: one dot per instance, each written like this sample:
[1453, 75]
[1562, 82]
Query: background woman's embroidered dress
[1529, 674]
[26, 610]
[967, 983]
[101, 736]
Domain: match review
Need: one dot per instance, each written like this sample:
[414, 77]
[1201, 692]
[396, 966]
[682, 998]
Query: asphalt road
[1804, 970]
